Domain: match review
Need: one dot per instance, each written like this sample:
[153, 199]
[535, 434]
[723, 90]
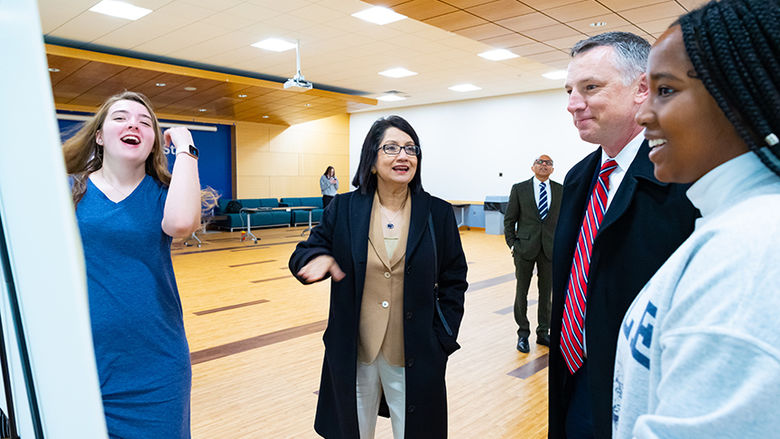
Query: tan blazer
[381, 310]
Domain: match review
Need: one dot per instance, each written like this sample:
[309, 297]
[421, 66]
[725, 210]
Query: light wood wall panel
[274, 161]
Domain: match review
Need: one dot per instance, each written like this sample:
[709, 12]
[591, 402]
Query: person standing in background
[329, 186]
[128, 208]
[529, 227]
[617, 225]
[398, 278]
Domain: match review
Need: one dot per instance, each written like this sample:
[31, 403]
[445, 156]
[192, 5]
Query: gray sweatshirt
[699, 350]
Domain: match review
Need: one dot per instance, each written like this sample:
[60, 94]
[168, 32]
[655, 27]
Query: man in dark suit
[529, 227]
[617, 226]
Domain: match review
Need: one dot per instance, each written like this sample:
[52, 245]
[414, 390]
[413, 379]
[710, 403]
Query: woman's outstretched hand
[318, 267]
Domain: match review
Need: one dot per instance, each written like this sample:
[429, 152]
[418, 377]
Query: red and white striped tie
[573, 329]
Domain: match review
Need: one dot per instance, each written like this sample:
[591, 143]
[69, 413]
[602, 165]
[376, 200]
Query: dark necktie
[542, 201]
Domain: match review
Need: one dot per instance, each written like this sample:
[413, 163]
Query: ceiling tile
[463, 4]
[454, 21]
[622, 5]
[653, 12]
[551, 32]
[525, 22]
[692, 4]
[656, 26]
[88, 26]
[577, 11]
[500, 9]
[565, 43]
[506, 41]
[423, 9]
[530, 49]
[541, 5]
[484, 31]
[611, 20]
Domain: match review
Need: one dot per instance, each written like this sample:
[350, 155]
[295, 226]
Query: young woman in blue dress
[129, 207]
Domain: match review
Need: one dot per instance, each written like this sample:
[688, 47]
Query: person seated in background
[128, 208]
[698, 353]
[329, 186]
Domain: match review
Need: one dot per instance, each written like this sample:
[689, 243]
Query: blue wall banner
[213, 144]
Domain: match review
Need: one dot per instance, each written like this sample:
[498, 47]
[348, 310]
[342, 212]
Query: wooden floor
[255, 337]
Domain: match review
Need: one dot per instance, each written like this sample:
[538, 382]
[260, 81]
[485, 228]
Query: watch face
[194, 151]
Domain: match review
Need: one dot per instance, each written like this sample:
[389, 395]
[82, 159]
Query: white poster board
[43, 295]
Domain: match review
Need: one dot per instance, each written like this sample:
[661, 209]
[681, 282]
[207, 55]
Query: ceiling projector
[297, 83]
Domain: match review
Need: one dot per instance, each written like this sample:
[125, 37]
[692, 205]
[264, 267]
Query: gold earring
[373, 170]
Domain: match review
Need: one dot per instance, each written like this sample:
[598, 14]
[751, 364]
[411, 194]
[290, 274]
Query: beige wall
[277, 162]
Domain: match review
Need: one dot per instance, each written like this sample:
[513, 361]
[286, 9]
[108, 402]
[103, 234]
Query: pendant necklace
[390, 221]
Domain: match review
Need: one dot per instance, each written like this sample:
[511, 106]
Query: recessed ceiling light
[274, 44]
[160, 84]
[190, 88]
[308, 105]
[203, 110]
[398, 72]
[555, 74]
[54, 69]
[378, 15]
[465, 87]
[598, 24]
[391, 97]
[265, 116]
[119, 9]
[242, 95]
[498, 55]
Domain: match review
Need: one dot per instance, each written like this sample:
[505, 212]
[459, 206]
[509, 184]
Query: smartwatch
[190, 151]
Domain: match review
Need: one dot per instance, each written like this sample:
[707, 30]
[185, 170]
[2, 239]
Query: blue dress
[142, 354]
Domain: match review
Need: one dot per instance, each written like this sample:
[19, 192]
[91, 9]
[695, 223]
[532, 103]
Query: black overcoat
[343, 234]
[645, 223]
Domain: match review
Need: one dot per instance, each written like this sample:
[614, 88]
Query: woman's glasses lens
[393, 149]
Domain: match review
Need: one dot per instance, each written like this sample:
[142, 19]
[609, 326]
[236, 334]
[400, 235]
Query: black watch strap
[191, 151]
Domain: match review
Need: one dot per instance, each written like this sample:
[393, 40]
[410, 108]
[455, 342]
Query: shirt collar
[626, 155]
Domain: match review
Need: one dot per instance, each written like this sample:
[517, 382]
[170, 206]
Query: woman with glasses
[698, 355]
[398, 275]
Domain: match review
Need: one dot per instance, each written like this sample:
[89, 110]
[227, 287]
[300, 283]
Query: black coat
[645, 223]
[524, 228]
[343, 234]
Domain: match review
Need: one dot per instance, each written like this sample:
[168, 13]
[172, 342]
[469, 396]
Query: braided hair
[734, 46]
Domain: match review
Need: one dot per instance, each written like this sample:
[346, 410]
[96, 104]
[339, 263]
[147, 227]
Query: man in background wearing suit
[529, 227]
[618, 224]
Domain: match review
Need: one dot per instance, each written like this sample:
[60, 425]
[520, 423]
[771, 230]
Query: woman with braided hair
[699, 350]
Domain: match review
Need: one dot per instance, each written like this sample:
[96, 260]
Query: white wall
[467, 144]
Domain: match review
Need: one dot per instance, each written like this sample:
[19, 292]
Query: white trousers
[372, 379]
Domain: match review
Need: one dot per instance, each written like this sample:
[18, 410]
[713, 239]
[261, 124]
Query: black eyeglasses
[544, 162]
[393, 149]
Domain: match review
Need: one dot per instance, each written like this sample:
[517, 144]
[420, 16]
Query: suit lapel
[641, 168]
[358, 236]
[529, 198]
[402, 239]
[376, 235]
[418, 221]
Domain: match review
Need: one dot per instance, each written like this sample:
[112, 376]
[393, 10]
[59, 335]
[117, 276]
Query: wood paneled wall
[276, 161]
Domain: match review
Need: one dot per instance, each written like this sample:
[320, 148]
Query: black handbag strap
[436, 277]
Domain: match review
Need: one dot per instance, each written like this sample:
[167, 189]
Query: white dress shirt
[624, 159]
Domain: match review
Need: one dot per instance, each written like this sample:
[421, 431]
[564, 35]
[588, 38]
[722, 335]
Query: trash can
[495, 208]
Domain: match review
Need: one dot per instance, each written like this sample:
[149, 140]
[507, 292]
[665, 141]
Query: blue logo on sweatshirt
[640, 342]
